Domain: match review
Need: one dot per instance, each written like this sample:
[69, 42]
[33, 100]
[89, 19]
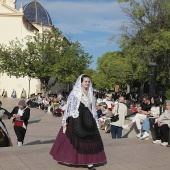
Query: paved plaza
[122, 154]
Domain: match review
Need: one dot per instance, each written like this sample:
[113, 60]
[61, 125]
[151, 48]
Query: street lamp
[130, 76]
[29, 79]
[152, 78]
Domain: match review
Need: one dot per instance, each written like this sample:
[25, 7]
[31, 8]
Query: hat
[22, 103]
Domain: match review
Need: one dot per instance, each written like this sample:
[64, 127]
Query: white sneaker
[156, 142]
[164, 143]
[138, 135]
[126, 127]
[145, 135]
[19, 144]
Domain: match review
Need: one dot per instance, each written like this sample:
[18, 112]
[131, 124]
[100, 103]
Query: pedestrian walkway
[122, 154]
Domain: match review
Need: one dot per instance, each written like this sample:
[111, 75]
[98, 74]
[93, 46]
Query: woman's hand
[64, 127]
[160, 124]
[14, 115]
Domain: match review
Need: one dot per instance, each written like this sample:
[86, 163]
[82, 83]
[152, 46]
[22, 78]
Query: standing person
[5, 140]
[121, 110]
[23, 93]
[79, 141]
[21, 115]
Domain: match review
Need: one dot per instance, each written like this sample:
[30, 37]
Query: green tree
[44, 56]
[112, 67]
[146, 38]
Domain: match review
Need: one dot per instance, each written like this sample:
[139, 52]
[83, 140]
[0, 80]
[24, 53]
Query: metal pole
[151, 85]
[29, 88]
[154, 80]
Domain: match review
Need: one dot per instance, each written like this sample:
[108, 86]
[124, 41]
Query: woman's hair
[84, 76]
[157, 101]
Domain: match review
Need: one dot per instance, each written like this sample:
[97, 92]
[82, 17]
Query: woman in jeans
[151, 118]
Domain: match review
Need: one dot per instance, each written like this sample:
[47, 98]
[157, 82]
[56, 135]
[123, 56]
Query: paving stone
[122, 154]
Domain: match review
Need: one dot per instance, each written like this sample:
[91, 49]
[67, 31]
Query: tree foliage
[146, 38]
[44, 55]
[113, 67]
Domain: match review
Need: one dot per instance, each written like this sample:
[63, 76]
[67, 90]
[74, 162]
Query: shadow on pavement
[41, 142]
[133, 129]
[34, 121]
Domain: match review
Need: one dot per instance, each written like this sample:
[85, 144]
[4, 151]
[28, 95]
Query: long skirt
[81, 144]
[4, 139]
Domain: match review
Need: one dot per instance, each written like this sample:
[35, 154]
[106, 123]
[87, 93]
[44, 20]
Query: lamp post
[29, 79]
[152, 78]
[129, 82]
[130, 76]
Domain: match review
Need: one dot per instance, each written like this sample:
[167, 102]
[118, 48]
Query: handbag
[18, 123]
[115, 118]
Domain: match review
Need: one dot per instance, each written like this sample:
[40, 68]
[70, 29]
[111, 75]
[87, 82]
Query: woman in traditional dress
[79, 141]
[21, 115]
[5, 140]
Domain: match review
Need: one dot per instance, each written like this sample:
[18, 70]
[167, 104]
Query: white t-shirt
[155, 111]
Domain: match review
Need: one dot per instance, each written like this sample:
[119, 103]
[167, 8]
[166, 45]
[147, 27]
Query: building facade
[27, 20]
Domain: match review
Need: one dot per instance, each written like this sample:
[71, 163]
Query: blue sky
[91, 22]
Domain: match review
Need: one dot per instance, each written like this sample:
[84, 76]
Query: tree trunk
[44, 87]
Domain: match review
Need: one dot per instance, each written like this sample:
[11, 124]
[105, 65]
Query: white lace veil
[74, 99]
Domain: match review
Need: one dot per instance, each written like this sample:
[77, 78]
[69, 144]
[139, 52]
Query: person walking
[21, 115]
[78, 141]
[5, 139]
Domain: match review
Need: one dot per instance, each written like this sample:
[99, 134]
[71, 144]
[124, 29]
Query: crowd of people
[149, 115]
[83, 112]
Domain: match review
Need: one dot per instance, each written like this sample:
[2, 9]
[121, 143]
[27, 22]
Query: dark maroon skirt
[77, 148]
[63, 151]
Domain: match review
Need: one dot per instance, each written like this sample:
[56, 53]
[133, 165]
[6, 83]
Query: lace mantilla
[73, 101]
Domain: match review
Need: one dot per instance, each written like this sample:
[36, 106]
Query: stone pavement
[122, 154]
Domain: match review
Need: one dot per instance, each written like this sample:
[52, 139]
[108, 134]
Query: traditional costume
[20, 124]
[5, 140]
[80, 142]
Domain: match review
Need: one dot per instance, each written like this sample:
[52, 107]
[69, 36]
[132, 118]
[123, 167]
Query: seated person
[45, 104]
[54, 105]
[151, 118]
[103, 107]
[162, 126]
[99, 110]
[40, 99]
[143, 111]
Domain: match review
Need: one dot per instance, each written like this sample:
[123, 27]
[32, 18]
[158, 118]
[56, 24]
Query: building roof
[35, 12]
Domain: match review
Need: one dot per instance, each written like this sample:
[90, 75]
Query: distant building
[28, 20]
